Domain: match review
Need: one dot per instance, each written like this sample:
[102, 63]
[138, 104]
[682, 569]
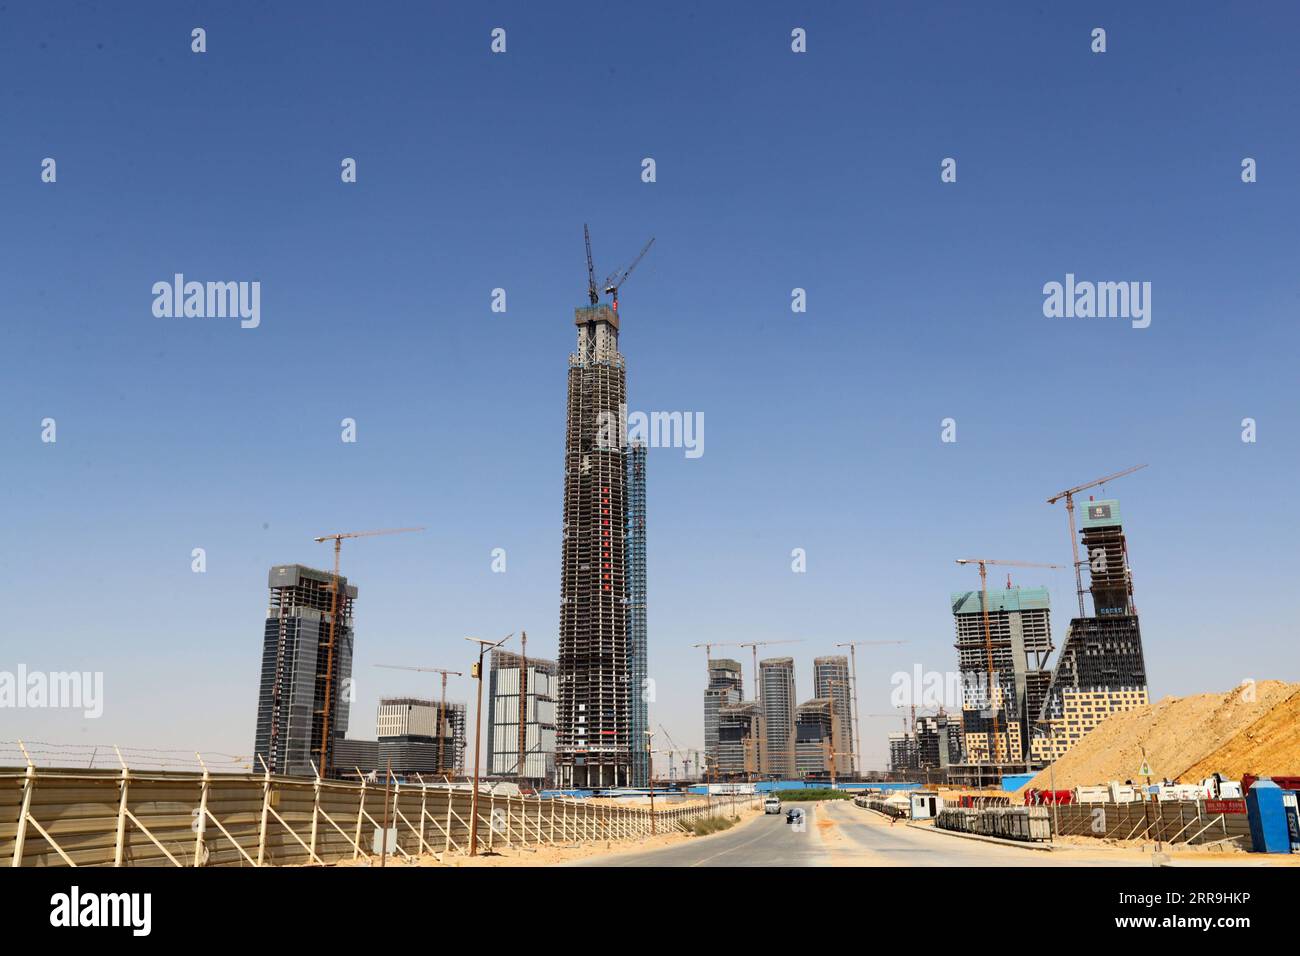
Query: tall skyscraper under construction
[726, 686]
[831, 682]
[1020, 632]
[602, 686]
[635, 459]
[1101, 669]
[297, 669]
[812, 738]
[737, 740]
[777, 714]
[537, 734]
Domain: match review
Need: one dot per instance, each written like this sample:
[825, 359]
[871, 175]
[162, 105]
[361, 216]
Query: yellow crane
[1068, 495]
[443, 728]
[995, 742]
[326, 751]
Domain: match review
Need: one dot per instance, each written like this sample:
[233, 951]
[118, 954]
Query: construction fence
[76, 817]
[1169, 821]
[1010, 823]
[881, 805]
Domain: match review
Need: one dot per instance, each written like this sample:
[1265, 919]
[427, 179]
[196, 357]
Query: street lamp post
[483, 648]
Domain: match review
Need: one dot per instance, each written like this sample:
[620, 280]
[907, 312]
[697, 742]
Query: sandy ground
[548, 855]
[1067, 851]
[1248, 729]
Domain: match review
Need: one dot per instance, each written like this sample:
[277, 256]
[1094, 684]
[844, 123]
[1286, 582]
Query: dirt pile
[1271, 745]
[1251, 728]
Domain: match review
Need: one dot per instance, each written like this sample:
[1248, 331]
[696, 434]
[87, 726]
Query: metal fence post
[201, 825]
[266, 805]
[29, 784]
[450, 792]
[119, 848]
[315, 808]
[424, 800]
[361, 812]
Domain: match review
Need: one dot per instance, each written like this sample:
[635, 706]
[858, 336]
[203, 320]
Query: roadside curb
[883, 816]
[1019, 844]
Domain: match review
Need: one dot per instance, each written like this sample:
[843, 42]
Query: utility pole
[326, 751]
[477, 674]
[856, 704]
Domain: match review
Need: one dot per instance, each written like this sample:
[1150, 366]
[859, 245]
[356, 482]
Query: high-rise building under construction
[305, 682]
[635, 460]
[726, 686]
[1101, 669]
[777, 714]
[601, 668]
[1020, 637]
[521, 751]
[831, 682]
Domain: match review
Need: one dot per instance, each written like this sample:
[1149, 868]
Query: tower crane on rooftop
[615, 281]
[326, 751]
[995, 743]
[1068, 495]
[592, 293]
[708, 647]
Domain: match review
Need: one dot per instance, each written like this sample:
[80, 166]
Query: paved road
[841, 834]
[766, 840]
[857, 837]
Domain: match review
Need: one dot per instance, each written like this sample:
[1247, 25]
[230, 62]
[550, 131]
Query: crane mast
[995, 743]
[1068, 495]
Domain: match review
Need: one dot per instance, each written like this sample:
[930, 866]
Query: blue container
[1267, 816]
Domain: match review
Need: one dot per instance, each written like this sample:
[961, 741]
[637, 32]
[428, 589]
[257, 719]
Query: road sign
[1145, 770]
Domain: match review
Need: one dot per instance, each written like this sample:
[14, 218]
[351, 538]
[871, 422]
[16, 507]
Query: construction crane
[326, 751]
[442, 706]
[758, 694]
[709, 646]
[522, 749]
[615, 281]
[853, 674]
[592, 294]
[994, 741]
[1068, 495]
[891, 716]
[685, 754]
[708, 649]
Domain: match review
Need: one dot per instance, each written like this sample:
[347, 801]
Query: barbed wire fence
[49, 756]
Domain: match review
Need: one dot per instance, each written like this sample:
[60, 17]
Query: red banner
[1225, 806]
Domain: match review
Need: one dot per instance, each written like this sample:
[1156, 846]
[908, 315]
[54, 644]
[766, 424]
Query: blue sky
[774, 171]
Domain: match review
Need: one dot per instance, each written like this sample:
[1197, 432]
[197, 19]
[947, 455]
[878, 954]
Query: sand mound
[1271, 745]
[1248, 729]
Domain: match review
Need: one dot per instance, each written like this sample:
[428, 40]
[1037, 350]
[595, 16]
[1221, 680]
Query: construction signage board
[1145, 770]
[1225, 806]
